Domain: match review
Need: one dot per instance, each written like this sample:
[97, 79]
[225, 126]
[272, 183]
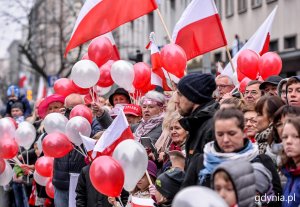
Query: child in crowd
[236, 185]
[167, 185]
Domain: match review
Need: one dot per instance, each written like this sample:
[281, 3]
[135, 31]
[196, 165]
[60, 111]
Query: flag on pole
[118, 131]
[98, 17]
[141, 202]
[42, 89]
[258, 42]
[199, 29]
[115, 55]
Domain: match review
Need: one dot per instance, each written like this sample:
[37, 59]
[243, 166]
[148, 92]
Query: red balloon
[142, 75]
[100, 50]
[173, 59]
[269, 64]
[105, 79]
[56, 145]
[64, 87]
[8, 148]
[247, 63]
[240, 75]
[243, 84]
[85, 57]
[44, 166]
[82, 110]
[2, 165]
[79, 90]
[50, 189]
[147, 88]
[107, 176]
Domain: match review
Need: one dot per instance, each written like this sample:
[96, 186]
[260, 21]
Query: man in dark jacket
[195, 103]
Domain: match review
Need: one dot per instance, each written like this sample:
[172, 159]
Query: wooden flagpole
[230, 59]
[164, 24]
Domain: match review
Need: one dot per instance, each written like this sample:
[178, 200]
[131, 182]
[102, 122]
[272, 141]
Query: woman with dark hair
[230, 145]
[291, 161]
[274, 148]
[265, 109]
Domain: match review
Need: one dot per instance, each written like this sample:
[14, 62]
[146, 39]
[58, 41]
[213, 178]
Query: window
[229, 8]
[150, 22]
[219, 7]
[290, 42]
[242, 6]
[270, 1]
[273, 45]
[256, 3]
[218, 57]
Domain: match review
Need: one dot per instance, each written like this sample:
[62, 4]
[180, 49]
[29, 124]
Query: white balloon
[75, 126]
[7, 128]
[122, 74]
[55, 122]
[41, 180]
[102, 90]
[85, 73]
[25, 134]
[7, 175]
[193, 196]
[134, 160]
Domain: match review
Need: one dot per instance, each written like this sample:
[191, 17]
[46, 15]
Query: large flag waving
[199, 30]
[118, 131]
[257, 43]
[98, 17]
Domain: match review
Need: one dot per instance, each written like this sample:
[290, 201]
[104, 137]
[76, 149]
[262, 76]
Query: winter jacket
[191, 177]
[96, 127]
[292, 188]
[86, 194]
[73, 162]
[154, 134]
[200, 127]
[243, 181]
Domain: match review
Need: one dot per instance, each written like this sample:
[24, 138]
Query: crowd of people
[244, 145]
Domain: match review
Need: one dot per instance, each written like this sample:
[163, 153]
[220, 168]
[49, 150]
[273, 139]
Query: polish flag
[22, 80]
[118, 131]
[258, 42]
[199, 29]
[141, 202]
[89, 144]
[98, 17]
[42, 90]
[115, 55]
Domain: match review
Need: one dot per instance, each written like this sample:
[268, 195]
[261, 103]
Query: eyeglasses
[223, 86]
[251, 120]
[252, 93]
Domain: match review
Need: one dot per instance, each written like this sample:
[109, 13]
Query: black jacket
[200, 127]
[86, 194]
[73, 162]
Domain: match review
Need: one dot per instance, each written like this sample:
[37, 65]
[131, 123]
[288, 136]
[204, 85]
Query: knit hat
[152, 168]
[263, 178]
[18, 105]
[13, 90]
[198, 88]
[273, 80]
[169, 182]
[119, 91]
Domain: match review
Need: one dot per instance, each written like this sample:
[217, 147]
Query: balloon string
[21, 155]
[82, 150]
[79, 152]
[121, 201]
[91, 94]
[17, 161]
[27, 164]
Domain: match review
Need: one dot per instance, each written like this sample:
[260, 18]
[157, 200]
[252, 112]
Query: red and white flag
[141, 202]
[118, 131]
[115, 55]
[23, 80]
[42, 90]
[258, 42]
[199, 29]
[98, 17]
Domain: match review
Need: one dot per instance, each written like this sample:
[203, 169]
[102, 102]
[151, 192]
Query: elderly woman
[152, 117]
[230, 145]
[291, 161]
[265, 109]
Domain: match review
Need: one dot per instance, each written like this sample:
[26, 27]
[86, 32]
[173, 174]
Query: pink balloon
[100, 50]
[173, 59]
[44, 166]
[82, 110]
[56, 145]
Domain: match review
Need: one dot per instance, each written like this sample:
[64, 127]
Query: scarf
[146, 126]
[262, 139]
[212, 158]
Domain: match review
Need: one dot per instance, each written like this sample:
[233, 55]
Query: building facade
[239, 17]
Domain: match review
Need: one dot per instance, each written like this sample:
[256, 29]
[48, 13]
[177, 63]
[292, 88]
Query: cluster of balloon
[251, 65]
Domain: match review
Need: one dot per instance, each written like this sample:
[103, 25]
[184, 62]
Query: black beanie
[169, 182]
[198, 88]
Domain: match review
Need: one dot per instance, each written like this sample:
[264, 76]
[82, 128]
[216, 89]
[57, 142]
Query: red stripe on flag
[266, 45]
[201, 36]
[115, 55]
[106, 16]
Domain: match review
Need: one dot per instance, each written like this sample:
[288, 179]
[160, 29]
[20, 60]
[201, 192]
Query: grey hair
[225, 76]
[155, 96]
